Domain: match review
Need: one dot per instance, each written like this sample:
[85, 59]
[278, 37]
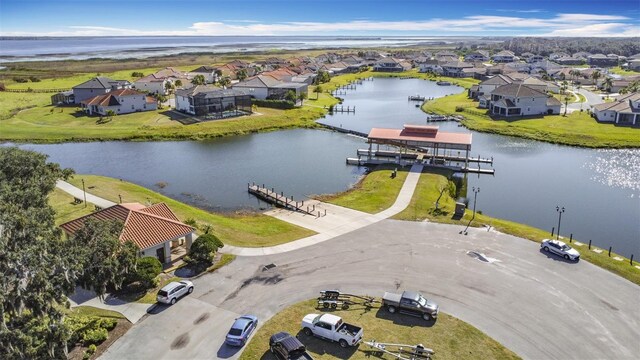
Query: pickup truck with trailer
[287, 347]
[332, 328]
[411, 303]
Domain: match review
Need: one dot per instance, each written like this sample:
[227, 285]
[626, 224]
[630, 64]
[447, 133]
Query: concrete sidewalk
[133, 311]
[337, 221]
[78, 193]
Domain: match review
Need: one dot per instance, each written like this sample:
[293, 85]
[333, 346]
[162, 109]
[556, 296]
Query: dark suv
[286, 347]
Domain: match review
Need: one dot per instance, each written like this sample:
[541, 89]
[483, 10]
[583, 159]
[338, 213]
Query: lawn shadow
[555, 257]
[404, 319]
[225, 351]
[319, 347]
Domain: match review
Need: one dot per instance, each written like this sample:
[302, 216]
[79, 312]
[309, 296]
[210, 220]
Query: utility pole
[475, 197]
[85, 194]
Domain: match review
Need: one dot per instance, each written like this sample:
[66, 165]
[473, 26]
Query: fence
[30, 90]
[598, 250]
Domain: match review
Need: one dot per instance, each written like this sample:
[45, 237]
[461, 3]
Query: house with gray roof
[212, 102]
[455, 68]
[478, 55]
[97, 86]
[513, 100]
[267, 87]
[504, 56]
[625, 110]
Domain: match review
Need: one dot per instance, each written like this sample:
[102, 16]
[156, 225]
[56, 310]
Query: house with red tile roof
[121, 101]
[155, 229]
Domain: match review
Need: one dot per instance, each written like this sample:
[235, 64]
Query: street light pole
[475, 197]
[560, 211]
[85, 194]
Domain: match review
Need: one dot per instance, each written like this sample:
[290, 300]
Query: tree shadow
[319, 346]
[404, 319]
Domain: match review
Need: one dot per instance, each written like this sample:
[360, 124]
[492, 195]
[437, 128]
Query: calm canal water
[600, 189]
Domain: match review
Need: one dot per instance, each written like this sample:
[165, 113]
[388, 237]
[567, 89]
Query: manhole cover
[268, 267]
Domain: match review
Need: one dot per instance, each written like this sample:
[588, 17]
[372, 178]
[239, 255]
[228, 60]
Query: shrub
[459, 108]
[34, 79]
[137, 74]
[90, 351]
[107, 324]
[191, 222]
[95, 336]
[203, 249]
[147, 269]
[20, 80]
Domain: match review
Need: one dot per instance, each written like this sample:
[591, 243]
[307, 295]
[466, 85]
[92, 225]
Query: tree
[106, 261]
[37, 272]
[137, 74]
[302, 97]
[224, 82]
[147, 269]
[318, 89]
[110, 114]
[203, 249]
[241, 74]
[178, 83]
[322, 77]
[595, 76]
[607, 84]
[198, 80]
[168, 86]
[290, 96]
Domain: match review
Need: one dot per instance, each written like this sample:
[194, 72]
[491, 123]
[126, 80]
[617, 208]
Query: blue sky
[319, 17]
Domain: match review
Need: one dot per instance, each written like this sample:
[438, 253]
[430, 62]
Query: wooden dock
[344, 131]
[279, 199]
[342, 109]
[416, 155]
[407, 162]
[416, 98]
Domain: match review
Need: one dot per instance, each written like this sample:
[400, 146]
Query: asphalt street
[538, 305]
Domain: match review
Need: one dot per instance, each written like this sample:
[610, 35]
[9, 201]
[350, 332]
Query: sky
[584, 18]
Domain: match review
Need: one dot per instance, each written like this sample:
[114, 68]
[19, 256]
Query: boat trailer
[401, 351]
[334, 298]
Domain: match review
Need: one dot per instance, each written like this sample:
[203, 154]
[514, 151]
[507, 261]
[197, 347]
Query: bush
[203, 249]
[191, 222]
[34, 79]
[90, 351]
[20, 80]
[147, 269]
[274, 104]
[107, 324]
[459, 108]
[95, 336]
[137, 74]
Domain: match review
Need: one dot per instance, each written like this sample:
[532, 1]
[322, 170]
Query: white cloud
[560, 25]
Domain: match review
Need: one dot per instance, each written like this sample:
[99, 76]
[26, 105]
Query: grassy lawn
[247, 230]
[65, 208]
[620, 71]
[375, 192]
[12, 103]
[67, 82]
[577, 129]
[449, 337]
[92, 311]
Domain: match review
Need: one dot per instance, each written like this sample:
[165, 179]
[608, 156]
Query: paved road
[539, 306]
[591, 99]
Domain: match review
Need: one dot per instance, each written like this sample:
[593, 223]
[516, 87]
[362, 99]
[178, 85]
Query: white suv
[559, 248]
[174, 290]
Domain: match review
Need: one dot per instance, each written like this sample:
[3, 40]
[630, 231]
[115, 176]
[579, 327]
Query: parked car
[286, 347]
[560, 248]
[331, 327]
[411, 303]
[174, 290]
[241, 330]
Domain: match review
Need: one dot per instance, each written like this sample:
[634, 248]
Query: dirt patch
[123, 326]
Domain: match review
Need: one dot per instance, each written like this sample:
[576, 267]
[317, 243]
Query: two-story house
[97, 86]
[514, 100]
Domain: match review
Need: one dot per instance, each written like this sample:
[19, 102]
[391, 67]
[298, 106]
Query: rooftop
[420, 133]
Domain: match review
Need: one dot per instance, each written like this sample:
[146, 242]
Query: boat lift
[334, 298]
[402, 351]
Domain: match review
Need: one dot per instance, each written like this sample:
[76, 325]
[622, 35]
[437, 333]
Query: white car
[559, 248]
[174, 290]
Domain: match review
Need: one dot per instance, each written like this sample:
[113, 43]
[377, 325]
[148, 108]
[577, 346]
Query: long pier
[279, 199]
[415, 155]
[463, 169]
[343, 130]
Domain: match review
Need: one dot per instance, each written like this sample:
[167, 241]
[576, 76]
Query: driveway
[537, 305]
[591, 99]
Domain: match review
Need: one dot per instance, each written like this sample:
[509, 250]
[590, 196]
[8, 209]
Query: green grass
[67, 82]
[375, 192]
[12, 103]
[620, 71]
[225, 259]
[150, 297]
[577, 128]
[92, 311]
[449, 337]
[246, 230]
[65, 208]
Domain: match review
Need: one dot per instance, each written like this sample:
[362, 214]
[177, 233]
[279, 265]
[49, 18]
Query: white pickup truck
[332, 328]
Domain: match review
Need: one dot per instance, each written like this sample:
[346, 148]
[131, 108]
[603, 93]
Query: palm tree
[241, 74]
[224, 82]
[607, 84]
[595, 76]
[302, 97]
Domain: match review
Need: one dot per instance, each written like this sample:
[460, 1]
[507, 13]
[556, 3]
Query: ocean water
[79, 48]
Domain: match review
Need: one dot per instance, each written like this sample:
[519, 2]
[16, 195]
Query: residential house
[209, 73]
[619, 84]
[123, 101]
[212, 102]
[570, 60]
[455, 69]
[625, 110]
[430, 65]
[161, 81]
[478, 55]
[391, 65]
[557, 55]
[483, 89]
[447, 54]
[531, 58]
[602, 60]
[267, 87]
[155, 229]
[97, 86]
[514, 100]
[504, 56]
